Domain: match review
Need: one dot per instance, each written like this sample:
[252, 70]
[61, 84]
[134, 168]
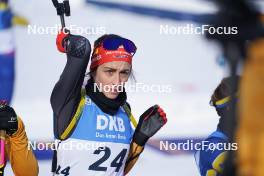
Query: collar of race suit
[107, 105]
[221, 126]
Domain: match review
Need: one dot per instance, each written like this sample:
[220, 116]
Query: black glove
[8, 119]
[149, 123]
[74, 45]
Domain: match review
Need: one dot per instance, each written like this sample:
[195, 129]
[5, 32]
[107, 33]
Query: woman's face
[111, 77]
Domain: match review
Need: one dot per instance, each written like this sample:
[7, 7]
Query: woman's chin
[111, 95]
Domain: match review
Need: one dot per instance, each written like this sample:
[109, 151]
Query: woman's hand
[149, 124]
[8, 119]
[74, 45]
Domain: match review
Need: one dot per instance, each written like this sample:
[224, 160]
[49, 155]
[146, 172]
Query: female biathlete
[99, 119]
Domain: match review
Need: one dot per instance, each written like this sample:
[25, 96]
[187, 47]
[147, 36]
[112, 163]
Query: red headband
[101, 56]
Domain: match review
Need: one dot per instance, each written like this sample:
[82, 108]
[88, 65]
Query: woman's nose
[116, 79]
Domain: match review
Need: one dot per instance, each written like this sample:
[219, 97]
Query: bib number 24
[117, 162]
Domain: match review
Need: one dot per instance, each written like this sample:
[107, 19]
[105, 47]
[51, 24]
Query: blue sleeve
[212, 158]
[6, 17]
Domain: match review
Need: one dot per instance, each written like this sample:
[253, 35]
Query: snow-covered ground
[187, 63]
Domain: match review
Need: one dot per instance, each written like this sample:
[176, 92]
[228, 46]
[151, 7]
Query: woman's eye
[110, 71]
[125, 73]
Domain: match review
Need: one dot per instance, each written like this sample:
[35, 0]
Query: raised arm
[67, 91]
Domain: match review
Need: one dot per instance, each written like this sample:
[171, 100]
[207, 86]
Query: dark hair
[222, 90]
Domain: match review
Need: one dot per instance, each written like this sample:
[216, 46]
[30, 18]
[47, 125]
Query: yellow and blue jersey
[99, 145]
[210, 162]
